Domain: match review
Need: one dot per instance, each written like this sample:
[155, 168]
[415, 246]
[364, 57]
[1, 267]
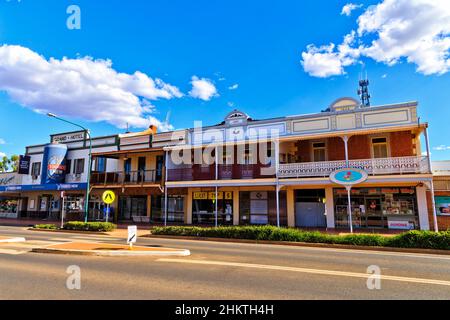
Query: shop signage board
[399, 224]
[54, 164]
[24, 164]
[68, 137]
[348, 177]
[203, 195]
[442, 205]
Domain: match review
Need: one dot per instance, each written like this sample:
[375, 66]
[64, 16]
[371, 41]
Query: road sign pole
[107, 212]
[62, 210]
[349, 208]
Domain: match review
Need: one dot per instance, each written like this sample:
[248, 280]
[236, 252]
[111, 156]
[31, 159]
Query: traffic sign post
[108, 197]
[62, 209]
[132, 235]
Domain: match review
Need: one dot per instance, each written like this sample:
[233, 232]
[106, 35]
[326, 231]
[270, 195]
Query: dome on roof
[236, 117]
[345, 103]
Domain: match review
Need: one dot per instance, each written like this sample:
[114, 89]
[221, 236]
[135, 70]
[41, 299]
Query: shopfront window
[175, 209]
[74, 203]
[204, 207]
[132, 207]
[393, 208]
[260, 207]
[8, 205]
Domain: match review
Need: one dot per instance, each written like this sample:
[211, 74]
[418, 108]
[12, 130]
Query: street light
[86, 203]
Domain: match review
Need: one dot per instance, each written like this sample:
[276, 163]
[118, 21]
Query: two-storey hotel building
[276, 171]
[263, 171]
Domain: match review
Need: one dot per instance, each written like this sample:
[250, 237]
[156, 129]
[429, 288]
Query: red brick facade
[336, 149]
[359, 147]
[401, 144]
[303, 151]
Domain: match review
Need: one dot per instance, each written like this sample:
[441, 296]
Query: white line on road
[335, 250]
[306, 270]
[11, 251]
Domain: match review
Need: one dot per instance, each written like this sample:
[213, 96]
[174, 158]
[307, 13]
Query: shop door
[310, 214]
[373, 215]
[24, 207]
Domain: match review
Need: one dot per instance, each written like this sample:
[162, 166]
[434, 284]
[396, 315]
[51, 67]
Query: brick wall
[359, 147]
[336, 149]
[401, 144]
[443, 221]
[303, 151]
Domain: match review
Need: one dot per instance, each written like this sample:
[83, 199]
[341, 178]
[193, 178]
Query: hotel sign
[68, 137]
[348, 176]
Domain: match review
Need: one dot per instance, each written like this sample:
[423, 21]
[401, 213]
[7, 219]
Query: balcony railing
[225, 172]
[124, 178]
[398, 165]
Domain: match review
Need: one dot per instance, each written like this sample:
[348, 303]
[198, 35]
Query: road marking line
[311, 248]
[382, 253]
[307, 270]
[11, 251]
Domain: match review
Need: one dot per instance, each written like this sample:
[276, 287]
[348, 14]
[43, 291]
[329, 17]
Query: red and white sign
[398, 224]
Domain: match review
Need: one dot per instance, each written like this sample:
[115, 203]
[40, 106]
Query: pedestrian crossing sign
[108, 196]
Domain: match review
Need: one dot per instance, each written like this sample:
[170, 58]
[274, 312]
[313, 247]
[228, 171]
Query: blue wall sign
[348, 176]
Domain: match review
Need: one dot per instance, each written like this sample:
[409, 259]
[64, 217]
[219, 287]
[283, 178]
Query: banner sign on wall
[24, 164]
[348, 176]
[442, 206]
[54, 164]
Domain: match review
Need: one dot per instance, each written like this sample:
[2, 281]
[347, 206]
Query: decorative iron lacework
[398, 165]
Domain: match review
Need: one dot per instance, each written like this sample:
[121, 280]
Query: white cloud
[82, 88]
[442, 147]
[2, 141]
[2, 154]
[203, 89]
[326, 61]
[417, 31]
[349, 7]
[230, 104]
[233, 87]
[384, 76]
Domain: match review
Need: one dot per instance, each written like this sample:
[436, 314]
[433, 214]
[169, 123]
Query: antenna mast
[363, 92]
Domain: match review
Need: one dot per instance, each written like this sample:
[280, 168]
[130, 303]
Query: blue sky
[244, 54]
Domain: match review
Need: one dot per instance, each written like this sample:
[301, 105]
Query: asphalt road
[217, 270]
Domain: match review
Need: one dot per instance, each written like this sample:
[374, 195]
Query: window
[127, 165]
[319, 151]
[78, 167]
[68, 165]
[36, 169]
[100, 164]
[380, 148]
